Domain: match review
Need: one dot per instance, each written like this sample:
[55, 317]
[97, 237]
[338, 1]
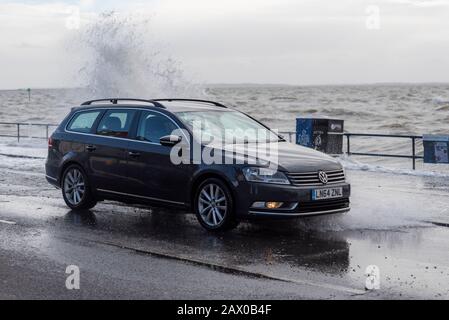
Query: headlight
[264, 175]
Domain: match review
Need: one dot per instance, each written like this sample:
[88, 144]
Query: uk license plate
[331, 193]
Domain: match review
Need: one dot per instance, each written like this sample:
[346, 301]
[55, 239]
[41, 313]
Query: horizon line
[260, 84]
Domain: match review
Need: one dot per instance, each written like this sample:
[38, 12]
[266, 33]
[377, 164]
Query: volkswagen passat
[196, 155]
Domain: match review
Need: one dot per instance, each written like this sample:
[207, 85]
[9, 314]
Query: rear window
[83, 122]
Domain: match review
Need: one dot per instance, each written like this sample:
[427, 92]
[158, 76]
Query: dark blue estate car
[146, 151]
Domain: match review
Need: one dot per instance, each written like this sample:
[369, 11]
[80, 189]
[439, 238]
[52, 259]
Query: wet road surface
[398, 223]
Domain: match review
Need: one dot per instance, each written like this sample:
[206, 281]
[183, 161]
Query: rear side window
[83, 122]
[116, 123]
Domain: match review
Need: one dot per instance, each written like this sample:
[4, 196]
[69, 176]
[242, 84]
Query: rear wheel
[214, 206]
[76, 189]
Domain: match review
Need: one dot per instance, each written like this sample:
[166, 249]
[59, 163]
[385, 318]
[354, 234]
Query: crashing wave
[121, 60]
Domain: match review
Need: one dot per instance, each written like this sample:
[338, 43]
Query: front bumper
[299, 199]
[279, 214]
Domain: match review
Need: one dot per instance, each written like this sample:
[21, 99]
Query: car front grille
[312, 178]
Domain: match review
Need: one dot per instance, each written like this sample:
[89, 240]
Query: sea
[409, 109]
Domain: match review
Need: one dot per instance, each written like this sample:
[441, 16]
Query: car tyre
[214, 206]
[76, 189]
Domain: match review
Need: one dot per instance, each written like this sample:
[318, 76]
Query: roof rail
[116, 100]
[217, 104]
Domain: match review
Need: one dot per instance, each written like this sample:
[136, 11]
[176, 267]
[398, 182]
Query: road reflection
[262, 244]
[81, 218]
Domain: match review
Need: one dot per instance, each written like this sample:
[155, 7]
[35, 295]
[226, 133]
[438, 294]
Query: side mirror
[170, 141]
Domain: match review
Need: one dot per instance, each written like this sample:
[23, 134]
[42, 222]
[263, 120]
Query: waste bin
[436, 149]
[325, 135]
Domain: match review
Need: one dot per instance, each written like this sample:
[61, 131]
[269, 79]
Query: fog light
[274, 205]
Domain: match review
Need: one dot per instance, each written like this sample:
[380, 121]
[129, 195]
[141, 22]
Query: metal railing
[19, 133]
[413, 139]
[412, 156]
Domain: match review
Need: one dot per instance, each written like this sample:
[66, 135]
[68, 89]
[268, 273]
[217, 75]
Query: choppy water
[388, 109]
[374, 108]
[414, 109]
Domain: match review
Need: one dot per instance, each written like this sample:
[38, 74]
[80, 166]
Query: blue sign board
[436, 149]
[304, 132]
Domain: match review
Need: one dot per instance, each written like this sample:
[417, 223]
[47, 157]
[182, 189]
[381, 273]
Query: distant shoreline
[269, 85]
[274, 85]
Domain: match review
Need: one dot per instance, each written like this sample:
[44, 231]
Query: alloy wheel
[212, 205]
[74, 186]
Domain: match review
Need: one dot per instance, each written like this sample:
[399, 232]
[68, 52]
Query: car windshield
[229, 127]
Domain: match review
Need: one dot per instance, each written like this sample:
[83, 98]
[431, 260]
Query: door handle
[133, 154]
[91, 148]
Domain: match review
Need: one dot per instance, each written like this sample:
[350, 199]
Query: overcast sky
[242, 41]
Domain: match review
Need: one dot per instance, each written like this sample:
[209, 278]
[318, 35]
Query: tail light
[50, 143]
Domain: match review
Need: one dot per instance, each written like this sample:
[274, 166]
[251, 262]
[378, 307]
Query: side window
[116, 123]
[83, 122]
[153, 126]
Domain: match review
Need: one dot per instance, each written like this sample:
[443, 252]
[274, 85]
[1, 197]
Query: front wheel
[76, 189]
[214, 206]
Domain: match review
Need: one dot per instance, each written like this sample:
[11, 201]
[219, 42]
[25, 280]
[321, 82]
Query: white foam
[379, 211]
[121, 59]
[27, 148]
[440, 101]
[352, 164]
[388, 199]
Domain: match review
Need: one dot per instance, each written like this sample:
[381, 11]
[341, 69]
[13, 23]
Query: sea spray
[121, 59]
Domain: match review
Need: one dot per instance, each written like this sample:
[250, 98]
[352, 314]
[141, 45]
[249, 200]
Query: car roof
[171, 105]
